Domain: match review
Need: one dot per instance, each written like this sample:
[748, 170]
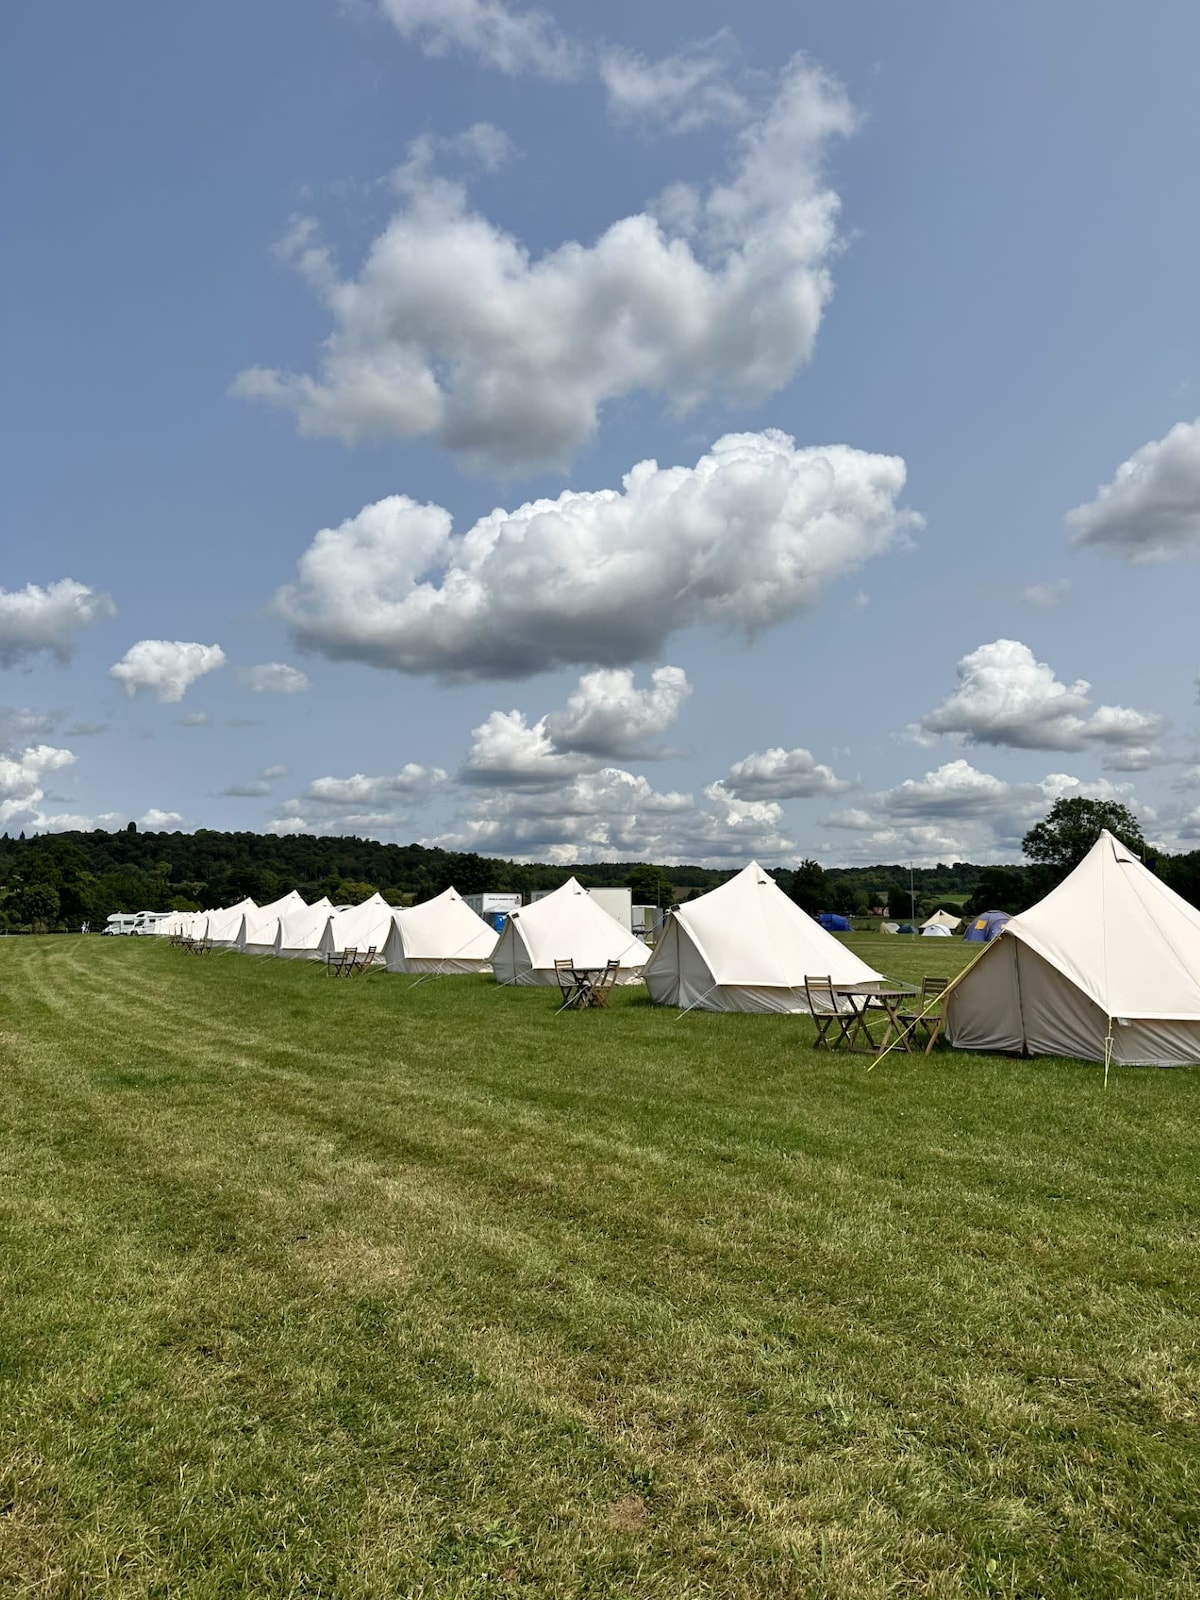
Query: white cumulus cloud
[363, 805]
[36, 618]
[507, 751]
[1151, 509]
[167, 666]
[957, 813]
[693, 86]
[778, 774]
[359, 790]
[453, 329]
[23, 777]
[511, 39]
[274, 677]
[746, 538]
[607, 715]
[156, 821]
[615, 815]
[1005, 696]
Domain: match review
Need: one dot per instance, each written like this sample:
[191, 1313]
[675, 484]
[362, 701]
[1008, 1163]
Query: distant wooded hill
[67, 878]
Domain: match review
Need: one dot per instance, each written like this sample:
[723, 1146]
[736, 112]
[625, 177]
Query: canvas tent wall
[256, 936]
[746, 947]
[1108, 960]
[298, 933]
[358, 928]
[567, 924]
[225, 925]
[442, 935]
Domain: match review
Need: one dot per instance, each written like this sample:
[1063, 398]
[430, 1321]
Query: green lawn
[348, 1289]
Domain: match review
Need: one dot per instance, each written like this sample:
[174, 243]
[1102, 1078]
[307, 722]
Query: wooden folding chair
[599, 991]
[928, 1017]
[825, 1012]
[363, 962]
[568, 983]
[339, 964]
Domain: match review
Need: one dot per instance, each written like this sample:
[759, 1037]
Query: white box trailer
[617, 902]
[648, 921]
[493, 907]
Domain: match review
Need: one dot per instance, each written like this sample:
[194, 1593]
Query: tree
[1058, 843]
[351, 892]
[900, 902]
[809, 888]
[1002, 889]
[38, 903]
[651, 887]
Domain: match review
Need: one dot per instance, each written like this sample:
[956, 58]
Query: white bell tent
[942, 919]
[1105, 967]
[256, 937]
[298, 933]
[565, 925]
[358, 928]
[441, 935]
[225, 925]
[746, 947]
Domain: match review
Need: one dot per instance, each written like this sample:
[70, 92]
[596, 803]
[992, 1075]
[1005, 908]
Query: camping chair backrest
[602, 987]
[821, 999]
[932, 989]
[564, 971]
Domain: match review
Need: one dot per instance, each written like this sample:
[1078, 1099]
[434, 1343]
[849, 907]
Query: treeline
[63, 880]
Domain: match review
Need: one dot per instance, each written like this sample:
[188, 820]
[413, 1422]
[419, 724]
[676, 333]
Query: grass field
[353, 1289]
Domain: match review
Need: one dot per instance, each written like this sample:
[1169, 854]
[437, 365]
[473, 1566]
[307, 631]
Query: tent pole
[1108, 1044]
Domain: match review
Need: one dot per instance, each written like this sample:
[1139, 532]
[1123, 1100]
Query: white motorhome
[133, 922]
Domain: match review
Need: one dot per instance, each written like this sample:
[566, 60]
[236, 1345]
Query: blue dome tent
[986, 926]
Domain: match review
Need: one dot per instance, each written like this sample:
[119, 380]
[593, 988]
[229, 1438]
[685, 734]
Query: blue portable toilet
[985, 926]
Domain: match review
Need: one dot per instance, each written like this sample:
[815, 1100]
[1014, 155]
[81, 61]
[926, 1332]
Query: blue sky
[333, 334]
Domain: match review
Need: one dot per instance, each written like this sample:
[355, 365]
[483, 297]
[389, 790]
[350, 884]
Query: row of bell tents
[442, 935]
[1105, 967]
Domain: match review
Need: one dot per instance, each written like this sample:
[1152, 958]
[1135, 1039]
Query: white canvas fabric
[298, 933]
[225, 925]
[942, 919]
[256, 936]
[565, 925]
[1111, 951]
[746, 947]
[358, 928]
[441, 935]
